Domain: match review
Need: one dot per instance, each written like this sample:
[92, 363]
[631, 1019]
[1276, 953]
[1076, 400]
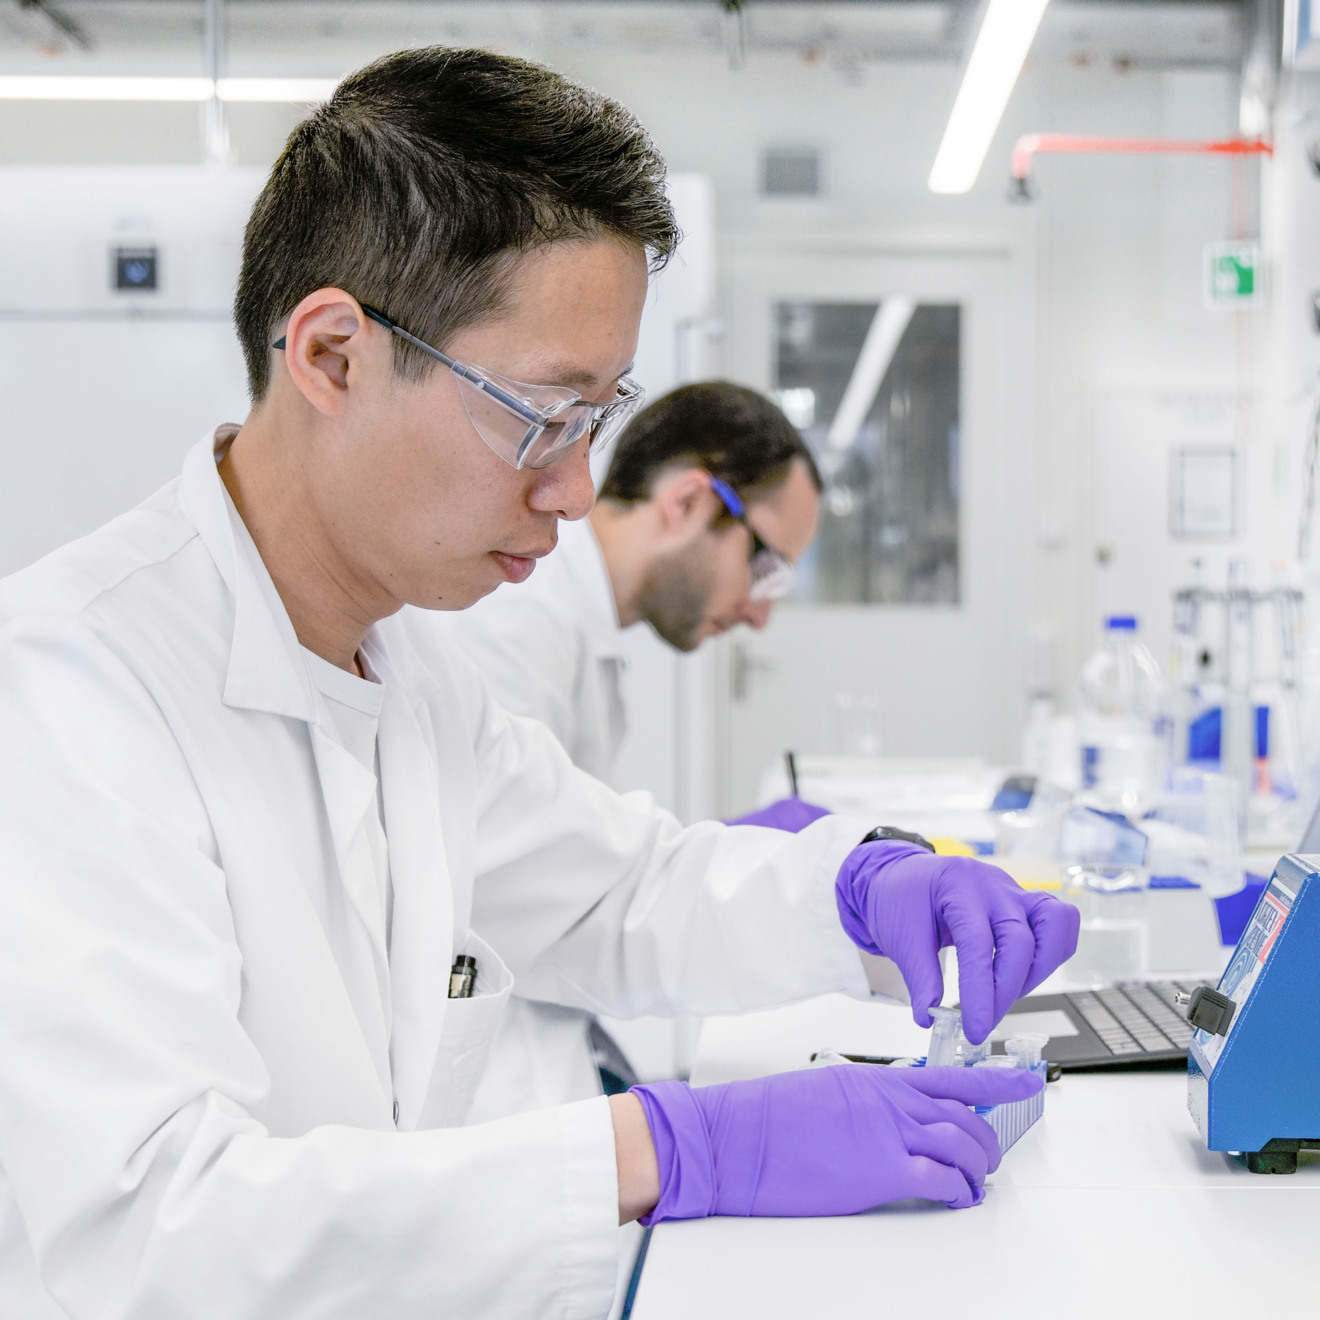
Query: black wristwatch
[882, 832]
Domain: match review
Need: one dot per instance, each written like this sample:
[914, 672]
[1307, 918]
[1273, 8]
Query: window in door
[874, 387]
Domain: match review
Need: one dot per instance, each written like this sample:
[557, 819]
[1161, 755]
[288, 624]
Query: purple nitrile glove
[901, 901]
[826, 1141]
[789, 814]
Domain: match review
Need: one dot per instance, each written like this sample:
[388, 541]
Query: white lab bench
[1108, 1207]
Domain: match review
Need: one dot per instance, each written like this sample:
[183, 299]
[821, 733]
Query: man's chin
[457, 596]
[685, 640]
[496, 570]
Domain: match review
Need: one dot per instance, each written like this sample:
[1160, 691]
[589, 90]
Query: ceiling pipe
[1027, 148]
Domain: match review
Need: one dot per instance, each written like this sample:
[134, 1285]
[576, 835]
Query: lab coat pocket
[470, 1027]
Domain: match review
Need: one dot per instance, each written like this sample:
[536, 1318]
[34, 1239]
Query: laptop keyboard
[1139, 1018]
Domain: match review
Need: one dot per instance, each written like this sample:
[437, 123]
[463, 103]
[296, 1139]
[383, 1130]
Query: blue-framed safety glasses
[772, 572]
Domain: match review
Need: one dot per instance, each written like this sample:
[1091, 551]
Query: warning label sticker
[1253, 952]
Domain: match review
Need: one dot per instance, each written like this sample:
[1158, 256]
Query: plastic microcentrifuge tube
[945, 1037]
[995, 1061]
[1025, 1049]
[970, 1055]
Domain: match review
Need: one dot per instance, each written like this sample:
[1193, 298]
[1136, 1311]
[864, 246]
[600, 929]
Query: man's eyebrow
[575, 377]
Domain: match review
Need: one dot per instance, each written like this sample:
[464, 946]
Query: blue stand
[1256, 1089]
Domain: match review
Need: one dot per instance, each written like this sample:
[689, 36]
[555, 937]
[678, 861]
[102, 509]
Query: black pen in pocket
[462, 977]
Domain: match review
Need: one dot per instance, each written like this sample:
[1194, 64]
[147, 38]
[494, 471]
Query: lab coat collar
[266, 671]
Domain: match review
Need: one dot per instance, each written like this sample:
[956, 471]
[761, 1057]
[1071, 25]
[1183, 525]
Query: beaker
[1112, 942]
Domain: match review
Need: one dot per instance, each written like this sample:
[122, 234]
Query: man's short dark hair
[424, 177]
[733, 432]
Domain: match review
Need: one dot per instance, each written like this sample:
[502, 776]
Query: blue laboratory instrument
[1253, 1082]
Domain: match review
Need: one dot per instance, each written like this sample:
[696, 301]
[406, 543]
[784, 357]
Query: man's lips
[518, 568]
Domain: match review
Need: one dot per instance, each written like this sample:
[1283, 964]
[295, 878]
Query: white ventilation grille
[791, 172]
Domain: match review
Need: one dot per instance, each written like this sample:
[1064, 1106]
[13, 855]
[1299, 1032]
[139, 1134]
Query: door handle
[743, 664]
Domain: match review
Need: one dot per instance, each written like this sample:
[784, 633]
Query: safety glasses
[772, 573]
[528, 426]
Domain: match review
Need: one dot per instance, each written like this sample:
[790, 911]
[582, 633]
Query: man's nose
[756, 613]
[565, 488]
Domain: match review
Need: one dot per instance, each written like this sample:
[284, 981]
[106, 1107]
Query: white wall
[1127, 349]
[104, 391]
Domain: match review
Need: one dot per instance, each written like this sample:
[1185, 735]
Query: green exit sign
[1232, 274]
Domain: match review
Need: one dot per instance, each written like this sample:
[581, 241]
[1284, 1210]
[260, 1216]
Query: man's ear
[686, 503]
[328, 342]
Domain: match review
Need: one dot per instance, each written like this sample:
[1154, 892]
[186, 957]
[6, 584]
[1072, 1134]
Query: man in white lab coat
[250, 814]
[710, 499]
[662, 547]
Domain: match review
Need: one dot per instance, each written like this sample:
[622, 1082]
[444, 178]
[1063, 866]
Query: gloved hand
[826, 1141]
[789, 814]
[901, 901]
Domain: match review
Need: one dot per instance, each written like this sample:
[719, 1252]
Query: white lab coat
[550, 648]
[226, 1091]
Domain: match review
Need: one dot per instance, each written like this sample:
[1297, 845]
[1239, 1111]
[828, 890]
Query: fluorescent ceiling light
[46, 88]
[868, 373]
[70, 88]
[997, 58]
[276, 89]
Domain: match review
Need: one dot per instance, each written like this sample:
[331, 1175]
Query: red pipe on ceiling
[1028, 147]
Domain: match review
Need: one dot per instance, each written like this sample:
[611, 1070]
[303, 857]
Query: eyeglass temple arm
[731, 499]
[510, 401]
[389, 325]
[393, 329]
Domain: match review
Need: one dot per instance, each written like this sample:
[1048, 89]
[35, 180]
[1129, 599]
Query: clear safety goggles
[529, 426]
[772, 573]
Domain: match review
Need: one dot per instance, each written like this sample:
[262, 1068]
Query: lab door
[906, 633]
